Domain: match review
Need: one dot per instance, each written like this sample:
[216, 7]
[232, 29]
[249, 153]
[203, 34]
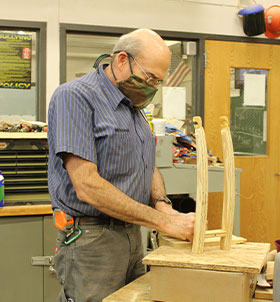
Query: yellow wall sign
[15, 60]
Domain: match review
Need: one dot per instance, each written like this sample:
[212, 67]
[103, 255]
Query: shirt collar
[114, 95]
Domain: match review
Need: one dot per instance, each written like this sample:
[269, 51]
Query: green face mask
[137, 90]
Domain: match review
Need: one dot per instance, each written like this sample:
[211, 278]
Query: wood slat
[177, 243]
[264, 293]
[269, 270]
[215, 233]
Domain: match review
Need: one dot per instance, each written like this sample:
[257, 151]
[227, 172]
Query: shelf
[26, 210]
[23, 135]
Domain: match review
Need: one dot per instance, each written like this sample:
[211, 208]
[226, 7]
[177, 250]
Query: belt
[101, 221]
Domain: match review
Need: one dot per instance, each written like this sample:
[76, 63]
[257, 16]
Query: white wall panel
[201, 16]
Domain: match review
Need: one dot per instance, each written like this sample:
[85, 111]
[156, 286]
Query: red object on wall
[272, 21]
[26, 53]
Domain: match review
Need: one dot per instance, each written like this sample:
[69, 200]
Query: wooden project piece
[202, 187]
[183, 244]
[229, 184]
[225, 233]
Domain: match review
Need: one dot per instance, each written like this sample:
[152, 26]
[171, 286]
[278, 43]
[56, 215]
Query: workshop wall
[205, 16]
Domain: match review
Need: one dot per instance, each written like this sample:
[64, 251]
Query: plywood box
[189, 285]
[139, 291]
[178, 275]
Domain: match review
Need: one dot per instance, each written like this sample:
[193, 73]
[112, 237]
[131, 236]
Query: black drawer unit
[24, 165]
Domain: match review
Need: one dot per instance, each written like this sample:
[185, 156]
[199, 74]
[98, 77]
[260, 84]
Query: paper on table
[254, 89]
[174, 102]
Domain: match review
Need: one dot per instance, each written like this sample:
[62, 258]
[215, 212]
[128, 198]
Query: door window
[248, 106]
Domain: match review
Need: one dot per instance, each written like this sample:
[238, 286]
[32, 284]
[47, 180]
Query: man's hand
[181, 226]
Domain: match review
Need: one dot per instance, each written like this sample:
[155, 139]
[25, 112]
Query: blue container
[1, 190]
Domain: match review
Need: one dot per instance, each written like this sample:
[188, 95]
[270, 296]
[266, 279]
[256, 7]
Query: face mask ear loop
[99, 59]
[113, 72]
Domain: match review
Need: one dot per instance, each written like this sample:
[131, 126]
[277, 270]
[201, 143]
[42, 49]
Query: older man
[102, 170]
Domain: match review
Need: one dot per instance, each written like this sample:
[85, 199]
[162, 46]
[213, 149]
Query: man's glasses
[151, 79]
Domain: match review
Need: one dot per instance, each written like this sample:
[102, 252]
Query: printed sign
[15, 60]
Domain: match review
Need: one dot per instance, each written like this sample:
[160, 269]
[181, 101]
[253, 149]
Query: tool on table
[66, 223]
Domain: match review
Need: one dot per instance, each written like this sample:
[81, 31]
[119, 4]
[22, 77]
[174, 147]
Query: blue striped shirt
[91, 118]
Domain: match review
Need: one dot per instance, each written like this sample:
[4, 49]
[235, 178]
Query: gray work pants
[102, 260]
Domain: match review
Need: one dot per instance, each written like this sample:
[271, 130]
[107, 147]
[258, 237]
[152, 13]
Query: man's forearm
[90, 187]
[158, 187]
[158, 193]
[113, 202]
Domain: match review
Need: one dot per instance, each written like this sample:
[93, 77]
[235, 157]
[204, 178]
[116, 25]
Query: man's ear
[122, 60]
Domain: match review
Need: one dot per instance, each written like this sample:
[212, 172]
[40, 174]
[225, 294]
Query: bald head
[148, 48]
[140, 41]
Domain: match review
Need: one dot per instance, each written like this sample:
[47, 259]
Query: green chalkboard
[247, 123]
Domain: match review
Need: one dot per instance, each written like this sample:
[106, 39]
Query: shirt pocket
[118, 156]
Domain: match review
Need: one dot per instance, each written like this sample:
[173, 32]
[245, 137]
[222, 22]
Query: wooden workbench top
[43, 209]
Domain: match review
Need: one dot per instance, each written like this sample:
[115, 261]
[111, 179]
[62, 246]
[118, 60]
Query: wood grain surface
[264, 293]
[26, 210]
[139, 291]
[177, 243]
[201, 189]
[247, 257]
[269, 270]
[136, 291]
[229, 184]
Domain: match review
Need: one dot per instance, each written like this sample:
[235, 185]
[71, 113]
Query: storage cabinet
[23, 238]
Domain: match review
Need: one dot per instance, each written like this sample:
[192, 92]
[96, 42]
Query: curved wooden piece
[202, 188]
[224, 122]
[197, 122]
[229, 184]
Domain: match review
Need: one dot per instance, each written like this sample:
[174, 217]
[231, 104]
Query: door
[260, 180]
